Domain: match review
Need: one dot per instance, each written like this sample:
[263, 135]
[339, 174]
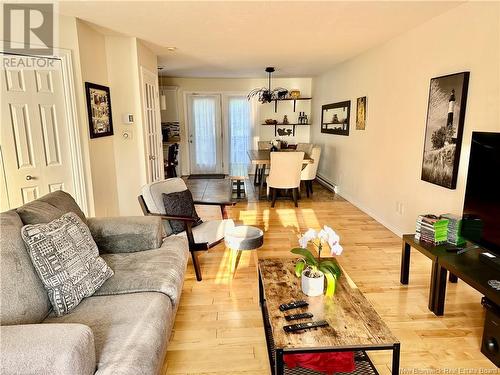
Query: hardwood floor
[218, 328]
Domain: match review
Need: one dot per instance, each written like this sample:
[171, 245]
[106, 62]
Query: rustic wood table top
[353, 322]
[263, 157]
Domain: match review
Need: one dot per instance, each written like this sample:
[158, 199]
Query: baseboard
[325, 182]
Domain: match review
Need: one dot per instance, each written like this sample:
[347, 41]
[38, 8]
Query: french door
[152, 126]
[35, 152]
[205, 134]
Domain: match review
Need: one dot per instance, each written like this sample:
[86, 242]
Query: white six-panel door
[34, 134]
[152, 126]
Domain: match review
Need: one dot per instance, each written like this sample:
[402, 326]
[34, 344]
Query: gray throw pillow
[180, 204]
[66, 259]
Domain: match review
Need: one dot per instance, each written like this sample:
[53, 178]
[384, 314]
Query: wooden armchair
[200, 238]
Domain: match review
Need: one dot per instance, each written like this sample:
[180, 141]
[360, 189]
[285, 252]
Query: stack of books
[432, 229]
[454, 229]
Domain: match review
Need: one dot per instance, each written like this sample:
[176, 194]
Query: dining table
[262, 158]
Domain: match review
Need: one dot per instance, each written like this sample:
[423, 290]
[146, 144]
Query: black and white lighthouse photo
[443, 133]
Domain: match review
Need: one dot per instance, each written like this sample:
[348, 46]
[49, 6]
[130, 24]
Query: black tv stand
[491, 259]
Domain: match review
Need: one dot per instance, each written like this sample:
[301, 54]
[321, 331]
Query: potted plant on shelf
[312, 270]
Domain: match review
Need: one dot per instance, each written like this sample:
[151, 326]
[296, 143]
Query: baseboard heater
[326, 183]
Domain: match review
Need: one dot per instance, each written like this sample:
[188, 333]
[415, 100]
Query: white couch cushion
[211, 231]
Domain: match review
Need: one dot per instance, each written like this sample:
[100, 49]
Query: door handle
[28, 178]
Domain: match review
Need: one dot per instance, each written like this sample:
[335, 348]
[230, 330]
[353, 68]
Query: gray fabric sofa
[122, 329]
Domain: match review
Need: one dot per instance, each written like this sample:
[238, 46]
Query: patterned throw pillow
[180, 204]
[66, 258]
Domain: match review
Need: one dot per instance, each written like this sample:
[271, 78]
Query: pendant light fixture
[267, 95]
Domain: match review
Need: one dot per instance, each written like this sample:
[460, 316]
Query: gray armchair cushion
[159, 270]
[49, 207]
[66, 349]
[126, 234]
[23, 298]
[130, 331]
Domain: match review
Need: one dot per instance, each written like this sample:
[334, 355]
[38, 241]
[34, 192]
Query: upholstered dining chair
[284, 173]
[308, 174]
[306, 147]
[201, 237]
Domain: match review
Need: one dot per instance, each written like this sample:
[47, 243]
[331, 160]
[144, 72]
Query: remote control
[303, 326]
[298, 316]
[293, 305]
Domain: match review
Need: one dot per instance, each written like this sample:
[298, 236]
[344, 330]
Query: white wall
[117, 163]
[261, 111]
[377, 167]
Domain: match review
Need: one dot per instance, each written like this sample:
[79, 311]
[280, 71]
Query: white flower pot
[312, 286]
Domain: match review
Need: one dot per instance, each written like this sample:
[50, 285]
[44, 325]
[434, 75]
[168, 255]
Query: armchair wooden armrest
[222, 206]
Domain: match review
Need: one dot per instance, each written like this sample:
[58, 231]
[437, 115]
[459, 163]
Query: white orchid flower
[329, 236]
[310, 235]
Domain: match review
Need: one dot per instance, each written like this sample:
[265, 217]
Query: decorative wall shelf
[287, 99]
[290, 124]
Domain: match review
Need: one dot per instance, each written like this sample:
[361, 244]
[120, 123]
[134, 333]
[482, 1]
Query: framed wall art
[99, 110]
[361, 113]
[444, 129]
[335, 118]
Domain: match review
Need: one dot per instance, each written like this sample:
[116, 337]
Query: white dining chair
[264, 145]
[284, 173]
[306, 147]
[308, 174]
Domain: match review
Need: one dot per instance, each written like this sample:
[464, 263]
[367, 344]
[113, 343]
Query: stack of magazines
[454, 229]
[432, 229]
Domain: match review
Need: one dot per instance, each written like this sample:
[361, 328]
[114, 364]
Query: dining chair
[201, 237]
[306, 147]
[308, 174]
[284, 173]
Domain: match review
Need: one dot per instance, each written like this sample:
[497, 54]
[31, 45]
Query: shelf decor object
[293, 125]
[335, 118]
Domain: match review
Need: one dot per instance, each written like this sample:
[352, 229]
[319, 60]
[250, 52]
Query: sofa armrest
[126, 234]
[47, 349]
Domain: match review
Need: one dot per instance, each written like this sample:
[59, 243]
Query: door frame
[70, 109]
[188, 125]
[149, 174]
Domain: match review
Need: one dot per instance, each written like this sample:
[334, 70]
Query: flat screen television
[481, 215]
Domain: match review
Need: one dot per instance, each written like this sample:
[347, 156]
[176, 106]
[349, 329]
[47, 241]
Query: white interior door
[205, 134]
[34, 134]
[152, 126]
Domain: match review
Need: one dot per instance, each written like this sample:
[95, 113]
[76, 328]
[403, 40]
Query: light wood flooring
[218, 327]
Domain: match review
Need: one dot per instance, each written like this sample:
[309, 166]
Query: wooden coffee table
[354, 323]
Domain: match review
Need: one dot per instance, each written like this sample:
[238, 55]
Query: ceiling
[239, 39]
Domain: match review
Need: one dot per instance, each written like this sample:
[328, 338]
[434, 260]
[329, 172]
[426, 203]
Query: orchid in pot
[314, 270]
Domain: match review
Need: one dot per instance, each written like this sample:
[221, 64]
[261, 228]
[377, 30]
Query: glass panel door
[205, 136]
[240, 129]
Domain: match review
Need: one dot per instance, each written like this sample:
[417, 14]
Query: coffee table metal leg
[395, 358]
[405, 263]
[440, 290]
[279, 366]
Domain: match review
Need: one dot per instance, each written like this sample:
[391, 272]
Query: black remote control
[293, 305]
[303, 326]
[298, 316]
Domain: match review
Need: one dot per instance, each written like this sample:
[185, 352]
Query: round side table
[242, 238]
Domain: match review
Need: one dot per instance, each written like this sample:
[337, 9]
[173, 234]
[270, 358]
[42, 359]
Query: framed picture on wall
[361, 113]
[99, 110]
[444, 129]
[335, 118]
